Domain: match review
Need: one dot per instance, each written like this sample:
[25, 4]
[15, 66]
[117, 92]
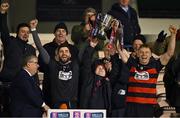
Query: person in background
[26, 96]
[80, 34]
[161, 43]
[127, 15]
[15, 49]
[136, 44]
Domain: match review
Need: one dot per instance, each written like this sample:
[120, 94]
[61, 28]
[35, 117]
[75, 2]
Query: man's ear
[28, 64]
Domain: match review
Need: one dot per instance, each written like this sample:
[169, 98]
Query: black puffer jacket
[15, 50]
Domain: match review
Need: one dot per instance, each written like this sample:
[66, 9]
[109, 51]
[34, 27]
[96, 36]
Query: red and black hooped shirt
[142, 81]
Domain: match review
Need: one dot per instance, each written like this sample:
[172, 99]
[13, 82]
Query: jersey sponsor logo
[65, 75]
[144, 75]
[121, 92]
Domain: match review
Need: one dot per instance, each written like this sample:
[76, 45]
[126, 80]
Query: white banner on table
[76, 113]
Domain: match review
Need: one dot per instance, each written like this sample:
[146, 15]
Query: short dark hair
[140, 37]
[22, 25]
[63, 45]
[27, 59]
[145, 46]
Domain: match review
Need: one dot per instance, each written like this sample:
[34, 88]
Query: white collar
[125, 8]
[28, 72]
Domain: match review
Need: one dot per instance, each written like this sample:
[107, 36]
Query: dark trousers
[177, 109]
[118, 112]
[139, 110]
[4, 99]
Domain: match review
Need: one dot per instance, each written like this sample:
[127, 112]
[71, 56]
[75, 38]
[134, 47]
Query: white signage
[76, 113]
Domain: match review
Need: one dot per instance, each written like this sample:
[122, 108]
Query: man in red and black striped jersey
[144, 70]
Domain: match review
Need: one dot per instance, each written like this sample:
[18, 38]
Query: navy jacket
[26, 96]
[129, 21]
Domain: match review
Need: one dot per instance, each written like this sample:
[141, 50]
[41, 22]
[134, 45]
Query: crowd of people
[94, 73]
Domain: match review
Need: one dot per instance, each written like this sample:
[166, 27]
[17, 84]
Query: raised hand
[33, 23]
[4, 7]
[161, 36]
[172, 29]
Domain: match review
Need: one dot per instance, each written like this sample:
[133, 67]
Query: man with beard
[63, 73]
[60, 33]
[15, 49]
[144, 72]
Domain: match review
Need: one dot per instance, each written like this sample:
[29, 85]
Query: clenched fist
[4, 7]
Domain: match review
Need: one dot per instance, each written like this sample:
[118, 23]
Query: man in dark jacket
[26, 96]
[15, 49]
[128, 17]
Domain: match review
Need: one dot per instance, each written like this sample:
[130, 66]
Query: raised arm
[43, 53]
[124, 57]
[88, 55]
[171, 46]
[5, 37]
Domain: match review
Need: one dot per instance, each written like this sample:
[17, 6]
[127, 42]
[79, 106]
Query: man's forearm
[171, 45]
[4, 27]
[44, 54]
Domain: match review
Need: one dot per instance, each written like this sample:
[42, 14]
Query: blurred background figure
[129, 19]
